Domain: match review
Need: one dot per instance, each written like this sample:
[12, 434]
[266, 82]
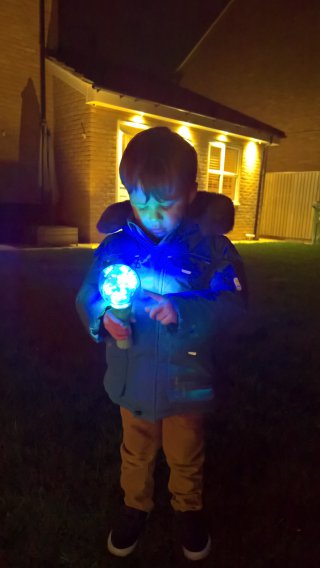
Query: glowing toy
[117, 285]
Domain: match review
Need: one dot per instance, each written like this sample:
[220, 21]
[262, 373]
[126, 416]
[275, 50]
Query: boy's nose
[155, 214]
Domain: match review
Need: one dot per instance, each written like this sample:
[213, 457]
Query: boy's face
[158, 218]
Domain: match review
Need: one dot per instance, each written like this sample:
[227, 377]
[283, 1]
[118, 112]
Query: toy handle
[123, 314]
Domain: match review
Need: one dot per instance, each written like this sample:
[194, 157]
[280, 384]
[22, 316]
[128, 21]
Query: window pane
[231, 160]
[127, 134]
[228, 186]
[215, 158]
[213, 183]
[125, 140]
[123, 194]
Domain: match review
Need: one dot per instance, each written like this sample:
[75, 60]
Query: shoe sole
[121, 552]
[198, 555]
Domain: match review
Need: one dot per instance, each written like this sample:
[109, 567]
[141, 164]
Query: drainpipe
[42, 60]
[260, 189]
[43, 113]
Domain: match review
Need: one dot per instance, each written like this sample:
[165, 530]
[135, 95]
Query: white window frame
[221, 172]
[122, 123]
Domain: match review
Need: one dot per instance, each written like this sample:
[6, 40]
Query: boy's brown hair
[161, 162]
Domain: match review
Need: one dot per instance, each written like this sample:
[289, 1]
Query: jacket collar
[211, 213]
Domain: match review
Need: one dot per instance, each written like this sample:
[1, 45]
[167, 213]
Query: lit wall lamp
[138, 119]
[184, 131]
[222, 138]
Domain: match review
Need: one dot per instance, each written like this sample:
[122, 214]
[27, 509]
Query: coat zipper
[161, 278]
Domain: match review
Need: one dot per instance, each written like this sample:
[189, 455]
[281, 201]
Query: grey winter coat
[169, 369]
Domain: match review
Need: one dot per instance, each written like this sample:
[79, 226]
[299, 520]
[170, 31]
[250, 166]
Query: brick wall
[249, 184]
[73, 147]
[20, 100]
[103, 165]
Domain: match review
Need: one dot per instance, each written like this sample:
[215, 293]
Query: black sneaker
[126, 530]
[193, 533]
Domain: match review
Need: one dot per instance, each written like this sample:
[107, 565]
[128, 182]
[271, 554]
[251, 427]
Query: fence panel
[287, 204]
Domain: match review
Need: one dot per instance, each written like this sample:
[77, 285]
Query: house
[262, 58]
[92, 123]
[75, 123]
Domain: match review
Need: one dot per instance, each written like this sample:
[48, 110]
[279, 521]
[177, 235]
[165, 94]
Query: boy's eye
[145, 207]
[168, 206]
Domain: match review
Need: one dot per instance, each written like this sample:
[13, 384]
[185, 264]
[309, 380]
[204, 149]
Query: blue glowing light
[117, 285]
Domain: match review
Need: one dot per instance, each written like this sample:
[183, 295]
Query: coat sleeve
[89, 303]
[205, 313]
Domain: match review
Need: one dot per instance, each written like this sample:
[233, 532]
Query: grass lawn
[60, 434]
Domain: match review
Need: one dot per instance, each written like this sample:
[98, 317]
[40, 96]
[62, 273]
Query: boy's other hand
[117, 329]
[162, 310]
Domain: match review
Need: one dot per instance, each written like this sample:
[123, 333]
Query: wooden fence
[287, 204]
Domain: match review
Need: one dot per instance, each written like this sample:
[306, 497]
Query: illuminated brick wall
[70, 122]
[103, 167]
[86, 155]
[248, 194]
[20, 100]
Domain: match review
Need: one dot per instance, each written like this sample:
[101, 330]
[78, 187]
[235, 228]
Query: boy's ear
[193, 192]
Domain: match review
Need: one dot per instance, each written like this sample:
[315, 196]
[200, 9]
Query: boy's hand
[118, 329]
[162, 310]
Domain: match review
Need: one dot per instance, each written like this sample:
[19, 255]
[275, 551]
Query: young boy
[163, 382]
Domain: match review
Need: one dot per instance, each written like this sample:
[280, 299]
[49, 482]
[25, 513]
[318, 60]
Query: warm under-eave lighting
[251, 155]
[137, 119]
[184, 131]
[99, 103]
[222, 138]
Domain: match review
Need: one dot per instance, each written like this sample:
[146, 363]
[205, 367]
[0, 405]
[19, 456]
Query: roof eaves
[172, 99]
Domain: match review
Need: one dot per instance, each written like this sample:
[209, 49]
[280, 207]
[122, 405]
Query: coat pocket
[115, 379]
[189, 380]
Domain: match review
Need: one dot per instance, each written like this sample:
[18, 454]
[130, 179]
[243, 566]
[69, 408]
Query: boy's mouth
[156, 230]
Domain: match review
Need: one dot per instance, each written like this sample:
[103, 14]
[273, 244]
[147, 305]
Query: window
[223, 170]
[126, 131]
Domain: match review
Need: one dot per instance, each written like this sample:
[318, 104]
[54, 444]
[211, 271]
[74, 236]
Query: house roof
[126, 82]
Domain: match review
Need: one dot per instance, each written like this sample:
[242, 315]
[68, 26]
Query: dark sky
[151, 36]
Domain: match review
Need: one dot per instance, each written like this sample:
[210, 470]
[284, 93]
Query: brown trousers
[182, 440]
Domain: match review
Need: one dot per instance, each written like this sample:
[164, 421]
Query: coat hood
[213, 212]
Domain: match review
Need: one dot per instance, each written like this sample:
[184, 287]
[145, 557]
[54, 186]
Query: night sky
[150, 36]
